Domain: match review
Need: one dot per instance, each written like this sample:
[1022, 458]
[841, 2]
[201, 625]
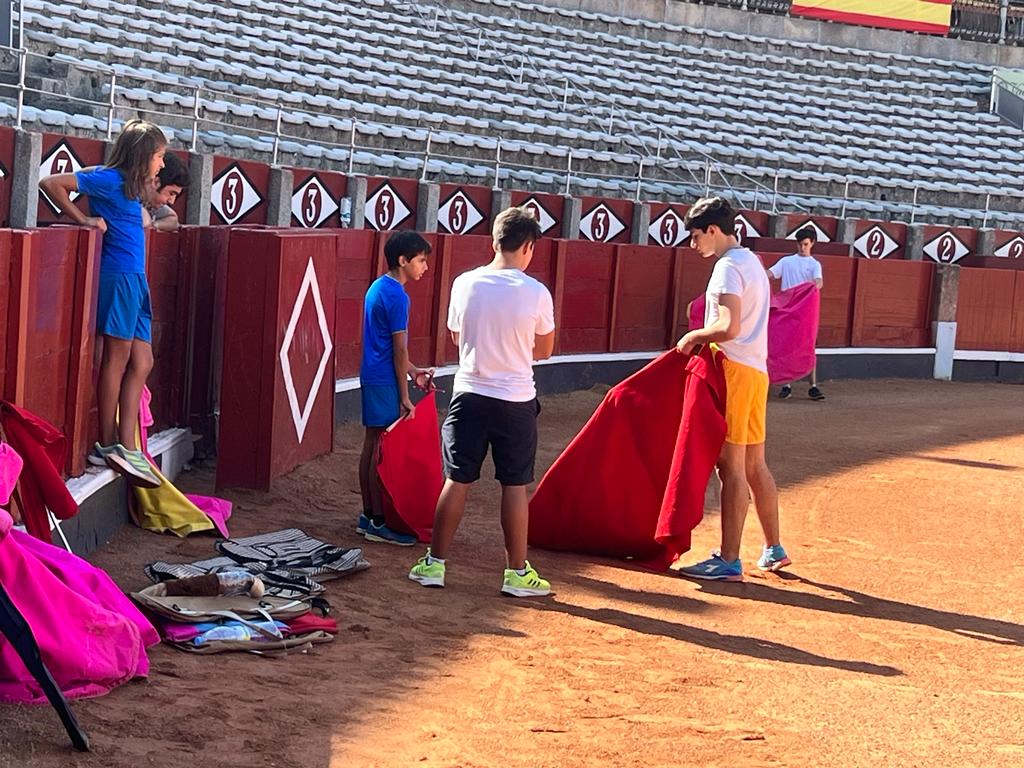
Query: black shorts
[475, 422]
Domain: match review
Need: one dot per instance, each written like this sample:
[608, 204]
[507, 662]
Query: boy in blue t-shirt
[385, 370]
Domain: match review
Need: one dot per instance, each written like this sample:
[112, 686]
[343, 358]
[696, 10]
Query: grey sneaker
[134, 467]
[98, 455]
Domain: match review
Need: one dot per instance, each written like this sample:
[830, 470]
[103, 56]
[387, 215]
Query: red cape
[631, 484]
[44, 450]
[409, 468]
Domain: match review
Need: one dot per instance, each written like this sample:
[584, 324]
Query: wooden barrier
[51, 315]
[892, 304]
[990, 310]
[585, 297]
[277, 391]
[355, 271]
[642, 295]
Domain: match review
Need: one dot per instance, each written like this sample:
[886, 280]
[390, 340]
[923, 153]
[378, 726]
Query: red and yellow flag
[929, 16]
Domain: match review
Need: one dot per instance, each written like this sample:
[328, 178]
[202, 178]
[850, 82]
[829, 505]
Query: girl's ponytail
[138, 141]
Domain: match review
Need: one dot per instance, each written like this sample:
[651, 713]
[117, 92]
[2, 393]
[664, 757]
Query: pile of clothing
[262, 595]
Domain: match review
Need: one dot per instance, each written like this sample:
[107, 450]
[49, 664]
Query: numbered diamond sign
[232, 195]
[875, 244]
[1012, 250]
[312, 204]
[819, 233]
[667, 230]
[458, 215]
[744, 229]
[600, 225]
[947, 248]
[60, 159]
[385, 209]
[546, 220]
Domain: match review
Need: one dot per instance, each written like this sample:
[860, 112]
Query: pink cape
[90, 636]
[409, 468]
[792, 331]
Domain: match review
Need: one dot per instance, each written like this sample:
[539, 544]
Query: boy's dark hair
[133, 150]
[711, 211]
[174, 172]
[806, 233]
[408, 243]
[514, 227]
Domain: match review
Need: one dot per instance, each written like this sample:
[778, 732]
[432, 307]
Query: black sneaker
[786, 392]
[815, 394]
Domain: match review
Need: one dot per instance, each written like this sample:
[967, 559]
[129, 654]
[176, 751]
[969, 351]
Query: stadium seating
[821, 120]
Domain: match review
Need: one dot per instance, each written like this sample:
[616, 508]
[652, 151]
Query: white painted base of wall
[945, 347]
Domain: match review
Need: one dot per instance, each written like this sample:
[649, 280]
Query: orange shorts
[746, 403]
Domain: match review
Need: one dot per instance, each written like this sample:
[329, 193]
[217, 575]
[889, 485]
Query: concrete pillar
[713, 494]
[641, 224]
[279, 197]
[986, 242]
[847, 232]
[571, 213]
[200, 175]
[28, 156]
[944, 300]
[500, 200]
[915, 242]
[357, 201]
[108, 150]
[428, 199]
[778, 226]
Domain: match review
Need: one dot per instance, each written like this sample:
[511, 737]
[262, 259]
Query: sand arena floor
[896, 639]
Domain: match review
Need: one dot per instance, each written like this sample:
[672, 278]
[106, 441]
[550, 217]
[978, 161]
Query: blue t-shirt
[385, 312]
[124, 243]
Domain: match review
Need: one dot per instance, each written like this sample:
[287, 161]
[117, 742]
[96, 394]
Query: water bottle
[227, 632]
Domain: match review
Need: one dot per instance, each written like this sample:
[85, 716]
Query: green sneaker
[428, 572]
[530, 584]
[134, 466]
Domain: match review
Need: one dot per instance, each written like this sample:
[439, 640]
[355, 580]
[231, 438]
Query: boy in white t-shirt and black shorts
[736, 326]
[502, 320]
[794, 270]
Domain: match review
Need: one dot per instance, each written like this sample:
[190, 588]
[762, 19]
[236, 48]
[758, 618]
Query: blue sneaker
[773, 559]
[714, 569]
[384, 534]
[362, 525]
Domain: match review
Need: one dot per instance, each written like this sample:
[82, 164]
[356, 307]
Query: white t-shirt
[497, 313]
[796, 270]
[739, 272]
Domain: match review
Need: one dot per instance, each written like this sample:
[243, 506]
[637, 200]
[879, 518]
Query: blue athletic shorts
[380, 404]
[123, 309]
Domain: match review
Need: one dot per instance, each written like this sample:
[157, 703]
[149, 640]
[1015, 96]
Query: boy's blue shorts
[123, 310]
[380, 404]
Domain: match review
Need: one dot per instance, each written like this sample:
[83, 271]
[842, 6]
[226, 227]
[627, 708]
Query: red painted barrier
[641, 298]
[277, 391]
[355, 271]
[985, 316]
[584, 308]
[204, 260]
[892, 304]
[169, 286]
[51, 314]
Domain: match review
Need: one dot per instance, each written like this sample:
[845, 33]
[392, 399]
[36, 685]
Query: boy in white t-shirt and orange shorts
[501, 320]
[736, 324]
